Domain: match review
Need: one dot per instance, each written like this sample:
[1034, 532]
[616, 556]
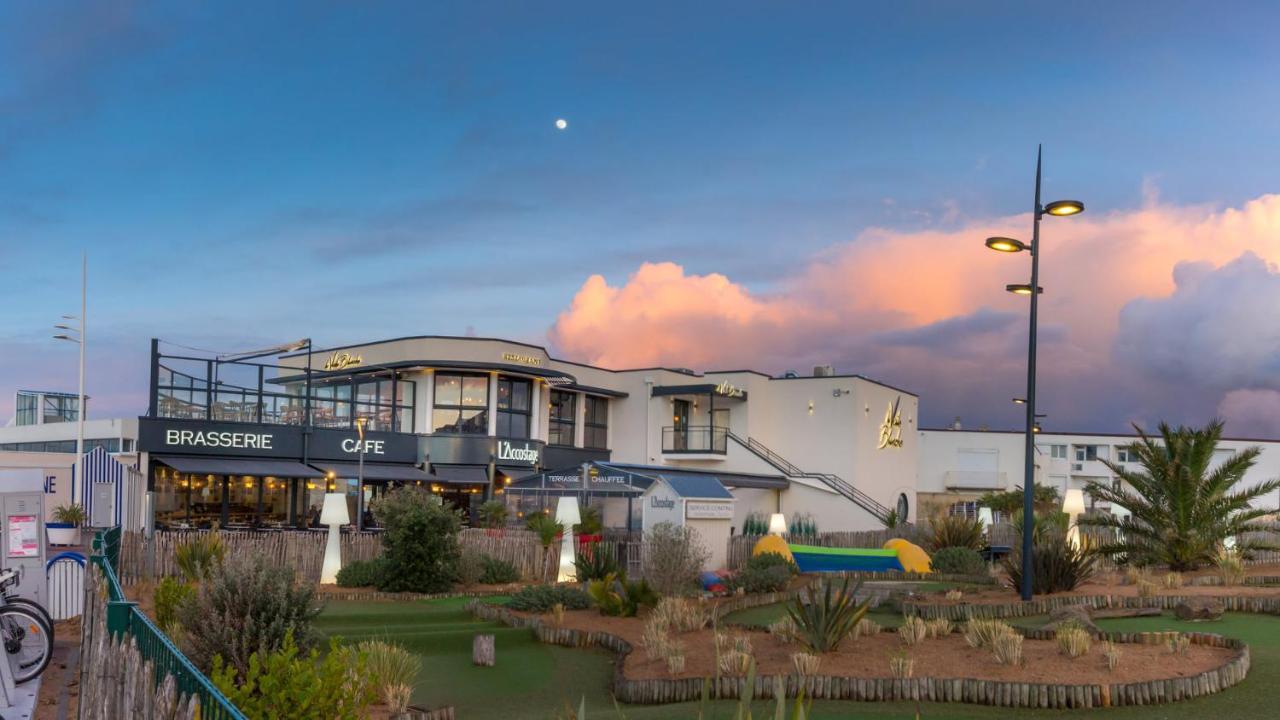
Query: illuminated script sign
[891, 428]
[342, 360]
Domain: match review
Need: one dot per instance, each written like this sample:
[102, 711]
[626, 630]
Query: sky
[765, 185]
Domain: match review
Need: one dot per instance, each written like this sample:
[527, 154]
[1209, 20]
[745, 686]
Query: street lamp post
[78, 338]
[1059, 208]
[360, 421]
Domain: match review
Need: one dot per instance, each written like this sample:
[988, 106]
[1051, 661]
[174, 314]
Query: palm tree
[1182, 508]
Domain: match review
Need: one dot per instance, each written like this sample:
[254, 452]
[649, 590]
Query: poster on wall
[24, 536]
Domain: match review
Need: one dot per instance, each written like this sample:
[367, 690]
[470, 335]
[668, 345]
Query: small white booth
[697, 502]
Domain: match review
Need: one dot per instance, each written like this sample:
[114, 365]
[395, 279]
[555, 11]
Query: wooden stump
[482, 650]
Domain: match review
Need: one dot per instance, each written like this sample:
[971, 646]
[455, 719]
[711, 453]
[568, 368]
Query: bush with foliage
[420, 541]
[493, 514]
[470, 566]
[958, 561]
[618, 597]
[764, 573]
[594, 561]
[1045, 498]
[362, 573]
[541, 598]
[673, 558]
[1184, 503]
[546, 528]
[1056, 565]
[803, 524]
[72, 514]
[755, 524]
[286, 684]
[197, 557]
[392, 670]
[829, 616]
[497, 572]
[170, 594]
[592, 521]
[247, 605]
[953, 531]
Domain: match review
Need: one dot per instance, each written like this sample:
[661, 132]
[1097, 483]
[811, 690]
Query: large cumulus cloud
[927, 310]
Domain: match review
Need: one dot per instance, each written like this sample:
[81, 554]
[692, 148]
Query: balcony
[695, 440]
[976, 480]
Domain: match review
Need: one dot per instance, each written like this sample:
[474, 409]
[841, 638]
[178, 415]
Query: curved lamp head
[1004, 244]
[1022, 289]
[1064, 208]
[334, 511]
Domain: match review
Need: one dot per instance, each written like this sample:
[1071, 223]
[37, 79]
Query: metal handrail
[696, 439]
[835, 482]
[124, 616]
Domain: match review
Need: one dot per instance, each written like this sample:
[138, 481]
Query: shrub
[784, 630]
[958, 561]
[913, 630]
[1173, 580]
[541, 598]
[1112, 652]
[829, 617]
[497, 572]
[492, 514]
[247, 606]
[199, 556]
[655, 639]
[72, 514]
[755, 524]
[390, 668]
[867, 627]
[618, 597]
[591, 523]
[735, 663]
[594, 561]
[803, 524]
[470, 567]
[1231, 567]
[981, 633]
[946, 531]
[282, 684]
[901, 665]
[764, 573]
[1178, 643]
[680, 614]
[545, 526]
[1057, 566]
[420, 538]
[362, 573]
[806, 664]
[1007, 647]
[1146, 588]
[939, 627]
[954, 595]
[673, 558]
[1073, 640]
[170, 594]
[675, 662]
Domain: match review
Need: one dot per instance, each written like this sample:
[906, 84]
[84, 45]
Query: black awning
[255, 467]
[602, 481]
[462, 474]
[515, 473]
[728, 479]
[376, 471]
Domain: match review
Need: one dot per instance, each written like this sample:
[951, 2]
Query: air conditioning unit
[823, 371]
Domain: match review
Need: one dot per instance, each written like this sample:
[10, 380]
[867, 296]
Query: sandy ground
[949, 657]
[61, 680]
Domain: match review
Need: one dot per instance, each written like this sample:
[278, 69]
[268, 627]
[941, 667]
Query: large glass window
[596, 423]
[461, 404]
[514, 407]
[27, 409]
[562, 417]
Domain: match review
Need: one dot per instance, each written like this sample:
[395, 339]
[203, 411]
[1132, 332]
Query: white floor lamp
[334, 514]
[567, 515]
[1073, 506]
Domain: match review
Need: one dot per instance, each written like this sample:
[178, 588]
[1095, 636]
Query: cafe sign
[342, 361]
[891, 426]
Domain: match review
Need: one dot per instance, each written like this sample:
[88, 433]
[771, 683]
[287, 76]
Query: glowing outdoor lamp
[985, 518]
[568, 515]
[334, 514]
[1004, 244]
[1058, 208]
[1073, 506]
[777, 524]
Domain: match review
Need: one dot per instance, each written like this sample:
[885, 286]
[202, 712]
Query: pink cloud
[853, 301]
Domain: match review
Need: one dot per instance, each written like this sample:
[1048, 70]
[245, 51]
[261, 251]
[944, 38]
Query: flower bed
[860, 671]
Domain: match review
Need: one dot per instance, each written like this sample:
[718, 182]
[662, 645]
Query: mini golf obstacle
[897, 554]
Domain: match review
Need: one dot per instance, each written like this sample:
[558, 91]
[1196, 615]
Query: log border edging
[1044, 605]
[963, 690]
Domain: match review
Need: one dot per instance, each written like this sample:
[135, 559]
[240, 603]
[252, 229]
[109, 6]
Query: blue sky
[349, 170]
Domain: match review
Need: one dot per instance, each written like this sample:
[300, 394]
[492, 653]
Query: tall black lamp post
[1059, 208]
[360, 422]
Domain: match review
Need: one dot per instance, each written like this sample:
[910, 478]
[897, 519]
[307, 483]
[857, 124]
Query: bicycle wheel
[34, 607]
[27, 641]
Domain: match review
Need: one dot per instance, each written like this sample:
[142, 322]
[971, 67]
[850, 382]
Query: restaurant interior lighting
[334, 514]
[1004, 244]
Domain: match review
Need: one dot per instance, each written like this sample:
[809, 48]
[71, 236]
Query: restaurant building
[258, 439]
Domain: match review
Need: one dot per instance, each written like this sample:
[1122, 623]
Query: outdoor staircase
[835, 482]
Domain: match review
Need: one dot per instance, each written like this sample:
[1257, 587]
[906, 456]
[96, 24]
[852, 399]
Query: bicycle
[24, 630]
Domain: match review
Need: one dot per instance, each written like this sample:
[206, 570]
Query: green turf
[533, 680]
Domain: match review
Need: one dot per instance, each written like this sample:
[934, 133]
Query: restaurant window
[461, 405]
[562, 418]
[514, 405]
[387, 405]
[596, 423]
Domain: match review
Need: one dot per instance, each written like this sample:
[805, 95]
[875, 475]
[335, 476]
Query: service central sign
[708, 510]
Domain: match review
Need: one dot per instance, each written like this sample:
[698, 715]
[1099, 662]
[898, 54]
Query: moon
[561, 123]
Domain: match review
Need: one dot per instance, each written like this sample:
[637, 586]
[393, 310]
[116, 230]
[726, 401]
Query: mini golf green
[533, 680]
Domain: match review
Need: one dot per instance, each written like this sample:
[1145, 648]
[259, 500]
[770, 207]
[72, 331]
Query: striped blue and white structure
[104, 487]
